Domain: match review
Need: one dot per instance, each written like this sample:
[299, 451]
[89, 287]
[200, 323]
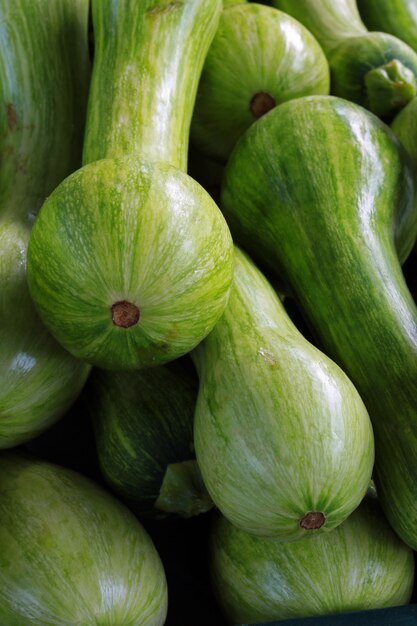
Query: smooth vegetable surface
[282, 438]
[327, 220]
[144, 432]
[360, 565]
[130, 260]
[397, 17]
[259, 57]
[44, 68]
[71, 554]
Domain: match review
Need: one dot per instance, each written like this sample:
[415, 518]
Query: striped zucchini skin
[129, 233]
[361, 565]
[279, 430]
[124, 229]
[397, 17]
[44, 67]
[148, 60]
[330, 22]
[355, 55]
[259, 57]
[71, 554]
[329, 184]
[143, 423]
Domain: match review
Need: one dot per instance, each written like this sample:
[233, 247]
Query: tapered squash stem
[142, 96]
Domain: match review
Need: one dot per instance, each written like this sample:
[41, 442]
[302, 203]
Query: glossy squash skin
[143, 424]
[142, 261]
[397, 17]
[44, 67]
[259, 58]
[404, 126]
[282, 438]
[373, 69]
[361, 565]
[330, 219]
[71, 553]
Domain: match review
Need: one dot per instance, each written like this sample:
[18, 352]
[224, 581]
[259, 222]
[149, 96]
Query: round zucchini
[282, 438]
[323, 191]
[43, 92]
[72, 554]
[130, 261]
[360, 565]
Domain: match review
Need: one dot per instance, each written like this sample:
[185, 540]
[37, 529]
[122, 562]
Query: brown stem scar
[312, 520]
[261, 103]
[124, 314]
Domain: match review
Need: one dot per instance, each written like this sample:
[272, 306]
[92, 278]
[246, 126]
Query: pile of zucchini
[175, 175]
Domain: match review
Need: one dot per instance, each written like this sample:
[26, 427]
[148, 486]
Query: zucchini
[130, 261]
[360, 565]
[72, 554]
[397, 17]
[143, 424]
[373, 69]
[259, 57]
[43, 92]
[323, 191]
[404, 126]
[282, 438]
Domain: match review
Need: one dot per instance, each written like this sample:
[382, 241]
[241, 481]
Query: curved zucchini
[259, 57]
[44, 67]
[143, 423]
[282, 438]
[330, 219]
[130, 260]
[361, 565]
[375, 70]
[72, 554]
[397, 17]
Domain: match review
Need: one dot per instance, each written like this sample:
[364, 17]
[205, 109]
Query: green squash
[43, 92]
[259, 57]
[130, 260]
[71, 554]
[404, 126]
[397, 17]
[373, 69]
[360, 565]
[323, 191]
[282, 438]
[143, 424]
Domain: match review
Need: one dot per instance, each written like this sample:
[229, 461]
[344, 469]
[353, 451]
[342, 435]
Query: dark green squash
[130, 260]
[397, 17]
[325, 194]
[282, 438]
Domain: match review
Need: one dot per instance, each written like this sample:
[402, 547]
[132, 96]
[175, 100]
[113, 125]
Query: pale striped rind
[397, 17]
[44, 68]
[71, 554]
[330, 22]
[361, 565]
[329, 184]
[279, 431]
[256, 49]
[125, 230]
[147, 63]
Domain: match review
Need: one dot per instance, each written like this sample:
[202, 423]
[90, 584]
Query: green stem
[183, 491]
[389, 88]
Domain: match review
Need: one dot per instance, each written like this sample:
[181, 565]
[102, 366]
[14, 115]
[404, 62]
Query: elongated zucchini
[71, 554]
[43, 92]
[143, 424]
[360, 565]
[130, 260]
[374, 69]
[397, 17]
[321, 189]
[259, 57]
[282, 438]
